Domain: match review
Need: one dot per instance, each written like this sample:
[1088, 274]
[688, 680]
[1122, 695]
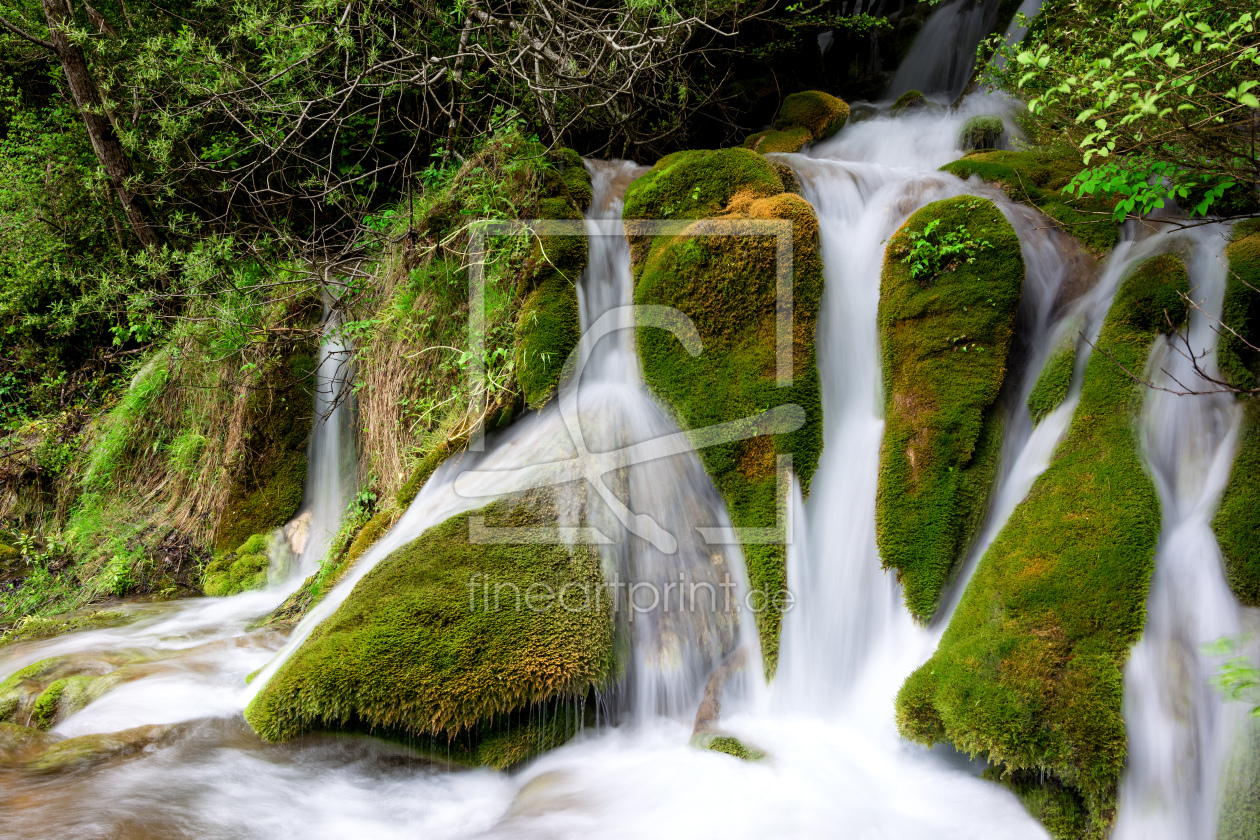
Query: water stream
[835, 766]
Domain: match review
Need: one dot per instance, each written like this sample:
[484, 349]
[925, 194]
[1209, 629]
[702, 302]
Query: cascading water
[197, 652]
[1179, 727]
[836, 766]
[943, 55]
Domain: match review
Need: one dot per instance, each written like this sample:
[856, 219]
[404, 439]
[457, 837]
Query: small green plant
[1238, 678]
[932, 252]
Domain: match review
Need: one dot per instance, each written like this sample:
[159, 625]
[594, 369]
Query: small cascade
[199, 650]
[330, 475]
[943, 55]
[1179, 727]
[677, 596]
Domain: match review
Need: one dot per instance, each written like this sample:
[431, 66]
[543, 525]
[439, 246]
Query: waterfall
[1179, 727]
[202, 649]
[608, 410]
[943, 55]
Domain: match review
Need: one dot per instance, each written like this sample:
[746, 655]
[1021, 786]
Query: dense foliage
[1158, 96]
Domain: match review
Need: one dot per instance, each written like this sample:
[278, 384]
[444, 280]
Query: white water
[943, 54]
[195, 654]
[1179, 728]
[836, 766]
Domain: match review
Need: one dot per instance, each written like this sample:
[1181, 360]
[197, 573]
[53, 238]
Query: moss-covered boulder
[981, 133]
[1027, 675]
[773, 140]
[726, 284]
[1237, 522]
[447, 639]
[727, 745]
[90, 750]
[46, 692]
[911, 100]
[18, 742]
[820, 113]
[42, 626]
[1037, 177]
[270, 466]
[548, 327]
[804, 117]
[1051, 387]
[945, 336]
[240, 570]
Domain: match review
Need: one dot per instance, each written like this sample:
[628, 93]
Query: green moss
[909, 100]
[982, 132]
[271, 467]
[548, 326]
[945, 343]
[773, 140]
[38, 627]
[61, 699]
[728, 745]
[820, 113]
[1237, 522]
[1240, 798]
[1037, 177]
[698, 184]
[1027, 675]
[726, 285]
[88, 750]
[239, 571]
[1061, 810]
[1052, 383]
[419, 647]
[430, 462]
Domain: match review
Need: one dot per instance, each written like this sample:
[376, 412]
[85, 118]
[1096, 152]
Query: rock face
[946, 334]
[453, 641]
[1027, 675]
[804, 117]
[726, 284]
[549, 327]
[270, 471]
[297, 532]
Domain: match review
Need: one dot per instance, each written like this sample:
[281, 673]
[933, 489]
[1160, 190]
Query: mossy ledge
[419, 650]
[726, 285]
[1237, 522]
[803, 117]
[240, 570]
[945, 343]
[1037, 177]
[1027, 675]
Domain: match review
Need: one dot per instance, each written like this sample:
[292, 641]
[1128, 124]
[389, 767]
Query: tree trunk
[109, 150]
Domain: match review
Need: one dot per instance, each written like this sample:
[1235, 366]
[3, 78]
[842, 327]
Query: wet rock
[298, 532]
[911, 100]
[728, 744]
[89, 750]
[19, 742]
